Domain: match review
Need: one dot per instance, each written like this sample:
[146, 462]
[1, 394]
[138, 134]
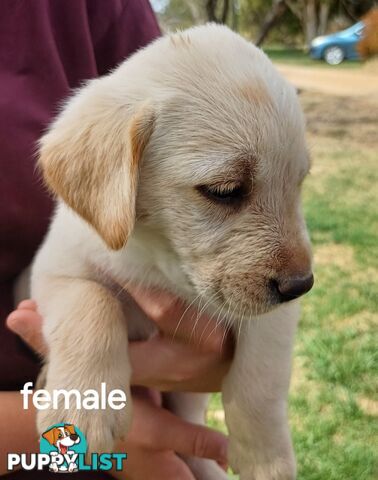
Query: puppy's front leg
[87, 342]
[255, 393]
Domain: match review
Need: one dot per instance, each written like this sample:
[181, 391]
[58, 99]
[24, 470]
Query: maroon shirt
[47, 48]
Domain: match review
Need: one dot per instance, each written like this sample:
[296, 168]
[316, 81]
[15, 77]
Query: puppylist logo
[63, 443]
[63, 449]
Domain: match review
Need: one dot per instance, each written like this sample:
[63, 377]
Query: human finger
[27, 324]
[168, 365]
[185, 438]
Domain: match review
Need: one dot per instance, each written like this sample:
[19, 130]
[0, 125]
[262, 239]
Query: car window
[358, 32]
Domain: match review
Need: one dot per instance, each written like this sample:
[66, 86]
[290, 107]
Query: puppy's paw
[101, 427]
[264, 465]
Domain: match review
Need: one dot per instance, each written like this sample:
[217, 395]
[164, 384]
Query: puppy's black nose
[74, 437]
[292, 287]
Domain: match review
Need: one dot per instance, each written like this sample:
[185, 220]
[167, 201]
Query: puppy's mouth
[239, 306]
[63, 449]
[270, 296]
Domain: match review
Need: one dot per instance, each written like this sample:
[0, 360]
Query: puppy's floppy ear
[50, 435]
[90, 158]
[70, 428]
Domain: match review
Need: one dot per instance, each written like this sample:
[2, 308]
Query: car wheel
[334, 55]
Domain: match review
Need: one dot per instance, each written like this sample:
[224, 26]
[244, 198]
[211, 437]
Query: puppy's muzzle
[292, 287]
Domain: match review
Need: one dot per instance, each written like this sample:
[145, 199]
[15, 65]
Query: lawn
[334, 392]
[296, 56]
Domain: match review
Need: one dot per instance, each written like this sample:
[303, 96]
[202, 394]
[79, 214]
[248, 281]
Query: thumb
[28, 325]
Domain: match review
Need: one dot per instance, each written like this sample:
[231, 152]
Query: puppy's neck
[149, 259]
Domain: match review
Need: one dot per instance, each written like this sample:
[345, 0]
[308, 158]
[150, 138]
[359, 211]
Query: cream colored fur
[126, 156]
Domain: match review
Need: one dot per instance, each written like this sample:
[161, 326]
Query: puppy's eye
[231, 194]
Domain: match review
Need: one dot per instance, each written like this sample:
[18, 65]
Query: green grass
[296, 56]
[334, 395]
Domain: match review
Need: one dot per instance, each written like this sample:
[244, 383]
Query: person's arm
[193, 352]
[119, 29]
[176, 365]
[150, 455]
[18, 427]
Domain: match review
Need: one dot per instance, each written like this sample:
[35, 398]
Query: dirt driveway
[338, 82]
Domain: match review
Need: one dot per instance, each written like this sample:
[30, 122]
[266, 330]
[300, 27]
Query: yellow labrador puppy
[182, 169]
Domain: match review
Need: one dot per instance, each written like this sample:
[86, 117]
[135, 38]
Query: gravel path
[338, 82]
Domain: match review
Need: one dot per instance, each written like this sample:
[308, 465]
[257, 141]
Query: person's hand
[157, 437]
[152, 455]
[26, 322]
[192, 353]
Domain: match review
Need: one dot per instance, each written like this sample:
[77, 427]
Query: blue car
[338, 46]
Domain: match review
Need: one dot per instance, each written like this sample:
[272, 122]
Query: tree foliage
[281, 20]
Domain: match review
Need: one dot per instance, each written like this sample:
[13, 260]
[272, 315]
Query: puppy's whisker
[218, 321]
[229, 319]
[200, 312]
[241, 322]
[210, 319]
[183, 315]
[225, 333]
[220, 317]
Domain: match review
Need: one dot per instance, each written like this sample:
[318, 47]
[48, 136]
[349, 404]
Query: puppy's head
[200, 139]
[62, 437]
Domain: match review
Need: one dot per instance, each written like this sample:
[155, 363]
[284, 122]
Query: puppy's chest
[139, 326]
[148, 265]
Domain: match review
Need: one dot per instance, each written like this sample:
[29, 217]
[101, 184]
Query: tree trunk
[323, 17]
[235, 8]
[226, 6]
[311, 23]
[271, 19]
[211, 9]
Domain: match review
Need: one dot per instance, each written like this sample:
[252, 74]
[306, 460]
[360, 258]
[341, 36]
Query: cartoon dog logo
[62, 438]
